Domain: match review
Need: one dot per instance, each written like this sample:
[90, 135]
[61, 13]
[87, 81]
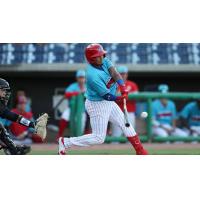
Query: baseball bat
[126, 120]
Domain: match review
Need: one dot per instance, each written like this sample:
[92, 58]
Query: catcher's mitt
[40, 126]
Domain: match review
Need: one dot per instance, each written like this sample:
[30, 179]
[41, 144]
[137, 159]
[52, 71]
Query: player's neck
[97, 66]
[81, 85]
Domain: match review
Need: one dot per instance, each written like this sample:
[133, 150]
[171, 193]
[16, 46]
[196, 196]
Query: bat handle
[127, 124]
[124, 101]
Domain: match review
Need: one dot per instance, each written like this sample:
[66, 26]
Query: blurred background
[44, 72]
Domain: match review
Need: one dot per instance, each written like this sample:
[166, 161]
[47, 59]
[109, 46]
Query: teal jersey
[164, 114]
[74, 87]
[99, 81]
[191, 112]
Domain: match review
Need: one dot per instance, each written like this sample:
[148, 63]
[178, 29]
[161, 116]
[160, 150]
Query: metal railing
[77, 106]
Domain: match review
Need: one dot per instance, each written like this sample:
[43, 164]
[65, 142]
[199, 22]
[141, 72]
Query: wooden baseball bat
[126, 120]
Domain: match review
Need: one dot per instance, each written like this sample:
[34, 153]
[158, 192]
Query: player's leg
[195, 130]
[87, 125]
[131, 116]
[179, 132]
[99, 114]
[9, 146]
[117, 117]
[83, 122]
[6, 139]
[158, 131]
[63, 123]
[116, 130]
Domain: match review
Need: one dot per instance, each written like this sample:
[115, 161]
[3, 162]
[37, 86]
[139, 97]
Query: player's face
[99, 60]
[164, 101]
[22, 106]
[124, 76]
[2, 93]
[81, 80]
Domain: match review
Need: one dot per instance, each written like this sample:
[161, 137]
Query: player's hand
[123, 90]
[169, 130]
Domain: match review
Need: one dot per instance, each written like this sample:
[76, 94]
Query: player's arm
[173, 125]
[115, 74]
[39, 125]
[184, 122]
[118, 78]
[174, 116]
[7, 114]
[184, 115]
[69, 92]
[103, 91]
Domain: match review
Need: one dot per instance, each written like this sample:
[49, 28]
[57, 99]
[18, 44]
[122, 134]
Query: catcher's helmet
[92, 51]
[4, 85]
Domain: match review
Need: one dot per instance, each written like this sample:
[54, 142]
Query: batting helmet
[92, 51]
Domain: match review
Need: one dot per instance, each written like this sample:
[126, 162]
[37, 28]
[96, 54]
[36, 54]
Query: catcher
[6, 142]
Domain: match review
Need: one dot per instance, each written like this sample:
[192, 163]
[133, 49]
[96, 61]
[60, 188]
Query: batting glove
[123, 90]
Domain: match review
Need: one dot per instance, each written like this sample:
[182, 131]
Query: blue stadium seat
[18, 58]
[59, 58]
[162, 50]
[142, 53]
[1, 48]
[1, 58]
[39, 48]
[182, 48]
[18, 48]
[79, 58]
[122, 59]
[183, 52]
[142, 49]
[39, 58]
[143, 59]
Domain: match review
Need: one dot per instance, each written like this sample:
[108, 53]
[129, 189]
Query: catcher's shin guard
[5, 138]
[21, 150]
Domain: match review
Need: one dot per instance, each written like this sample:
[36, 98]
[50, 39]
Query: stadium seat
[137, 53]
[18, 58]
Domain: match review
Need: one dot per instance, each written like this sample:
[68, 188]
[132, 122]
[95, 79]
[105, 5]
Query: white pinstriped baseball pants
[100, 113]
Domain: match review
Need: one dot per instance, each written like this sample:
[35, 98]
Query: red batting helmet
[92, 51]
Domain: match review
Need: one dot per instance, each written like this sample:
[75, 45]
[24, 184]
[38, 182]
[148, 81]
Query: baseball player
[164, 116]
[22, 134]
[101, 83]
[131, 87]
[72, 90]
[6, 142]
[190, 117]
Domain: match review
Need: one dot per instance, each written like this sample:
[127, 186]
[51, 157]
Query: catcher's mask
[4, 87]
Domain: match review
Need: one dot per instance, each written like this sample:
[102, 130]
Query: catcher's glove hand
[40, 126]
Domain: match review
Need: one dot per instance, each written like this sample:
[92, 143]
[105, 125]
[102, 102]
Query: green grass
[194, 151]
[123, 150]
